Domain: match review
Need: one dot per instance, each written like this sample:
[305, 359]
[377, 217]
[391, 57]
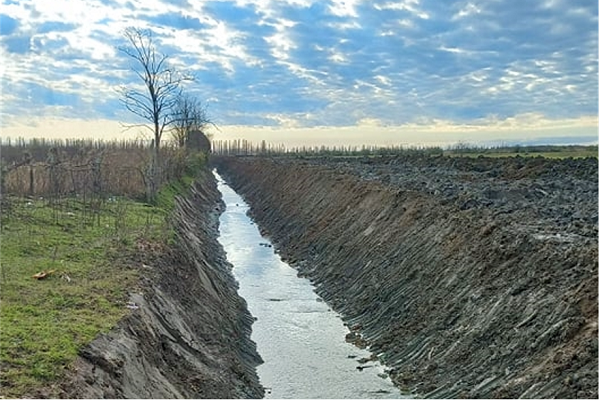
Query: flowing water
[301, 341]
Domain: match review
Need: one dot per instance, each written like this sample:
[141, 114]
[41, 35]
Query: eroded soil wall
[188, 335]
[469, 278]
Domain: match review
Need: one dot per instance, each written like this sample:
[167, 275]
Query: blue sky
[304, 63]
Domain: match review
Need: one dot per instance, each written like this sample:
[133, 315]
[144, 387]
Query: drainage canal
[301, 341]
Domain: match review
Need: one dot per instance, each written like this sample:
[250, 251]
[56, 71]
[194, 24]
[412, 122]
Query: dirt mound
[468, 278]
[188, 335]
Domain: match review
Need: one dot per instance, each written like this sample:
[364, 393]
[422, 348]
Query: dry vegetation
[82, 168]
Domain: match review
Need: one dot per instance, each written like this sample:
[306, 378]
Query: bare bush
[72, 171]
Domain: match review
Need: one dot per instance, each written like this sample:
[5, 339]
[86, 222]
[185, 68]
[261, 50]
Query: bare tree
[190, 117]
[155, 101]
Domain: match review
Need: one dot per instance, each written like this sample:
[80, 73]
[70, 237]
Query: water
[300, 339]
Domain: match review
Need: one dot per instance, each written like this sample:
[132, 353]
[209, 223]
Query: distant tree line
[243, 147]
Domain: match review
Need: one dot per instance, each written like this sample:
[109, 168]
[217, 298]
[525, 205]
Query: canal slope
[469, 278]
[301, 340]
[188, 334]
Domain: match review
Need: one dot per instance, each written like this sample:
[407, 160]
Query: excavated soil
[188, 335]
[469, 278]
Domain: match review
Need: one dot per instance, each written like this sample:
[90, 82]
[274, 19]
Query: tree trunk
[31, 191]
[154, 174]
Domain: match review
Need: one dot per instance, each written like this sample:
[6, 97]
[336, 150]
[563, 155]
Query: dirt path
[469, 278]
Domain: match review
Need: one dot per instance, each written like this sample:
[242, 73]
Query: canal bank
[469, 278]
[301, 340]
[188, 332]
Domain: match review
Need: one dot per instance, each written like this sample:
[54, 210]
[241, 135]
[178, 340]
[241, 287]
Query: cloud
[177, 21]
[313, 63]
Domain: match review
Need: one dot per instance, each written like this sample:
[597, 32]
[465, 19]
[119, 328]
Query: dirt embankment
[469, 278]
[188, 335]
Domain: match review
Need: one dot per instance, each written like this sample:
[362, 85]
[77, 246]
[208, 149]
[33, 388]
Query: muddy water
[300, 339]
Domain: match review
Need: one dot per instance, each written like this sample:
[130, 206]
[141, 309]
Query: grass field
[45, 321]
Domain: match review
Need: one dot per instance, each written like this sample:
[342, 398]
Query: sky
[382, 71]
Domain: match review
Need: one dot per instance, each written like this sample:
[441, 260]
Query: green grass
[43, 323]
[165, 198]
[529, 151]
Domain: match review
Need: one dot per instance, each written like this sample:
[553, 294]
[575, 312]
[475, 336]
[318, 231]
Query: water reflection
[300, 339]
